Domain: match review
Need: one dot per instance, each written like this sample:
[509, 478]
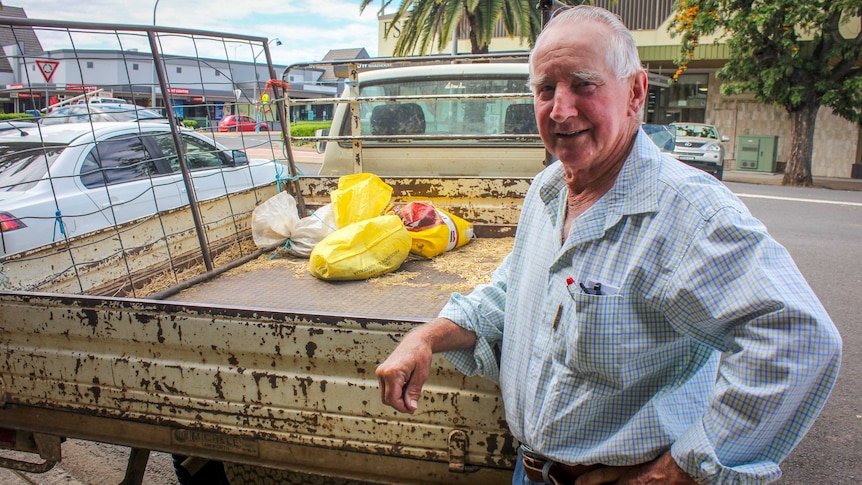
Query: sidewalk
[762, 178]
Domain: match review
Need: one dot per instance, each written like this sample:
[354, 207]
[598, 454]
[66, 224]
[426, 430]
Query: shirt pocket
[613, 342]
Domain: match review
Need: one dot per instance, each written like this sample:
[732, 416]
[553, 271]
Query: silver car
[84, 113]
[700, 145]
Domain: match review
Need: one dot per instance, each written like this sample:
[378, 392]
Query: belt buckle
[537, 461]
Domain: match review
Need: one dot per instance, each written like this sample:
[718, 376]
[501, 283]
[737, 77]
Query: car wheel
[212, 473]
[719, 174]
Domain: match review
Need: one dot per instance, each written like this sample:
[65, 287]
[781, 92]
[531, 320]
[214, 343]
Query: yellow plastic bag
[361, 250]
[433, 230]
[359, 196]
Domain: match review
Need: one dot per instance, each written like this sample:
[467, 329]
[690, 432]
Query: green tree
[430, 21]
[789, 53]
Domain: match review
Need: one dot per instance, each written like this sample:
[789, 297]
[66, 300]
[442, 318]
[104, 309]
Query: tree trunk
[798, 170]
[475, 48]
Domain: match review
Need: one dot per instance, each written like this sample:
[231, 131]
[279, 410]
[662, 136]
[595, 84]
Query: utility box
[756, 153]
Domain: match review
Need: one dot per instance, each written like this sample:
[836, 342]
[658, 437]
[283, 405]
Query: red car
[239, 123]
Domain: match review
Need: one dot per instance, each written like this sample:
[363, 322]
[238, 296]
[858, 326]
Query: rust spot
[310, 347]
[143, 317]
[89, 317]
[218, 386]
[304, 382]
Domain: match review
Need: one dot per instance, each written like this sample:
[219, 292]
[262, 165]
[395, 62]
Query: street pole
[255, 105]
[153, 76]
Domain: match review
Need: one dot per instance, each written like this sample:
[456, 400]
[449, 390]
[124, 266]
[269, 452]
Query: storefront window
[687, 98]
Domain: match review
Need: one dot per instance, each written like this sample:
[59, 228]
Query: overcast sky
[308, 29]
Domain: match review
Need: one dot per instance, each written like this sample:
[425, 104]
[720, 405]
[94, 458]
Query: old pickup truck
[242, 359]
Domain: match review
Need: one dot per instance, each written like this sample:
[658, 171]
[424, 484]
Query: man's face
[586, 117]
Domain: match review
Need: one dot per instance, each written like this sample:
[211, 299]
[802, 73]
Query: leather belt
[542, 470]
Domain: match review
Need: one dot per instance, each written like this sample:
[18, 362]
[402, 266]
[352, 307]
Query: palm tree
[430, 20]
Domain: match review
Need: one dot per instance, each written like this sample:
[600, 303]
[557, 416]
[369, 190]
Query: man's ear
[639, 90]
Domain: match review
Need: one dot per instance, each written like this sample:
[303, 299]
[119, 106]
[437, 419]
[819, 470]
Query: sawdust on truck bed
[473, 262]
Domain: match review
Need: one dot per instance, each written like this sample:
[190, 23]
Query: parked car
[17, 125]
[240, 123]
[103, 101]
[662, 135]
[700, 145]
[56, 183]
[80, 113]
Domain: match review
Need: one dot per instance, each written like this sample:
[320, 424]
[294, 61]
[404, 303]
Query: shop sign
[81, 87]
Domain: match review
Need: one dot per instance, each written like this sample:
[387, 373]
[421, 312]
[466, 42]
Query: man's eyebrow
[535, 82]
[588, 76]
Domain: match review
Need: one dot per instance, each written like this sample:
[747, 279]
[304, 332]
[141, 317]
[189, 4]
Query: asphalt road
[821, 228]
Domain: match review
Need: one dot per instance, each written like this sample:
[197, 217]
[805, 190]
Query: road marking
[794, 199]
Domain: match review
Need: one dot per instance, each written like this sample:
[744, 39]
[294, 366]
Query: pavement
[763, 178]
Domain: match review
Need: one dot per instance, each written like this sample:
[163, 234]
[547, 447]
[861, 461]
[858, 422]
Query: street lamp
[256, 79]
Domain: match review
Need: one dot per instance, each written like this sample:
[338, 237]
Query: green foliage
[193, 124]
[17, 116]
[789, 53]
[428, 21]
[307, 128]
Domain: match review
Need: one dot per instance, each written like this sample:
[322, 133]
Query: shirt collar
[634, 191]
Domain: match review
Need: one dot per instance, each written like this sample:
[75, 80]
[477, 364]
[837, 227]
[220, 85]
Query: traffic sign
[48, 68]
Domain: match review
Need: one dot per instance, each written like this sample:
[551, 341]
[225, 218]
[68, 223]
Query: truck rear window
[464, 115]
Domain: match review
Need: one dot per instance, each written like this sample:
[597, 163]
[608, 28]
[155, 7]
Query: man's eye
[585, 87]
[545, 91]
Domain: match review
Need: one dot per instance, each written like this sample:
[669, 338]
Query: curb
[761, 178]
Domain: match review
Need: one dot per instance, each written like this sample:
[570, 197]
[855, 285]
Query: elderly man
[630, 276]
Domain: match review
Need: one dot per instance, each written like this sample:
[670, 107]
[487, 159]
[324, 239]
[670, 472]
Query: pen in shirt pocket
[591, 288]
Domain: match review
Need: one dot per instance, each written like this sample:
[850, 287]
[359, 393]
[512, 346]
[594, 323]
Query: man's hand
[661, 471]
[403, 373]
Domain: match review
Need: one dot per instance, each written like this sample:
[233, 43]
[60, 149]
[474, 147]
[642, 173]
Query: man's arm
[403, 373]
[739, 291]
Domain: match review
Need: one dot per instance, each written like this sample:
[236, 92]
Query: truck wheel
[239, 474]
[211, 474]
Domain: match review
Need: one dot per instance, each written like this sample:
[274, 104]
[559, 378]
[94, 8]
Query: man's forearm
[443, 335]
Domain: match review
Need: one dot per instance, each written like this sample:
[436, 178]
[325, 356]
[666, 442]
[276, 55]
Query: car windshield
[104, 112]
[22, 165]
[699, 131]
[661, 135]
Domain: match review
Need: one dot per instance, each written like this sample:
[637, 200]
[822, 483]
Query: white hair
[622, 53]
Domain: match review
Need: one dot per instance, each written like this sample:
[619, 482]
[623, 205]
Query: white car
[65, 180]
[699, 145]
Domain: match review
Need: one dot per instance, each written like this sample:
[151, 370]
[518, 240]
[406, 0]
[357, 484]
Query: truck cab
[447, 119]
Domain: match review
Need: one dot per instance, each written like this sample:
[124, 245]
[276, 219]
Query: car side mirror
[321, 145]
[725, 138]
[239, 157]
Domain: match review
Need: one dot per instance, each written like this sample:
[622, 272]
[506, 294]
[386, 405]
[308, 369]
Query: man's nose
[565, 105]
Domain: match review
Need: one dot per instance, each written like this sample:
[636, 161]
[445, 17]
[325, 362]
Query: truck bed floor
[418, 289]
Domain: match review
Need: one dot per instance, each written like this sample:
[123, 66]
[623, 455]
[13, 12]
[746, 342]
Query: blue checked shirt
[620, 378]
